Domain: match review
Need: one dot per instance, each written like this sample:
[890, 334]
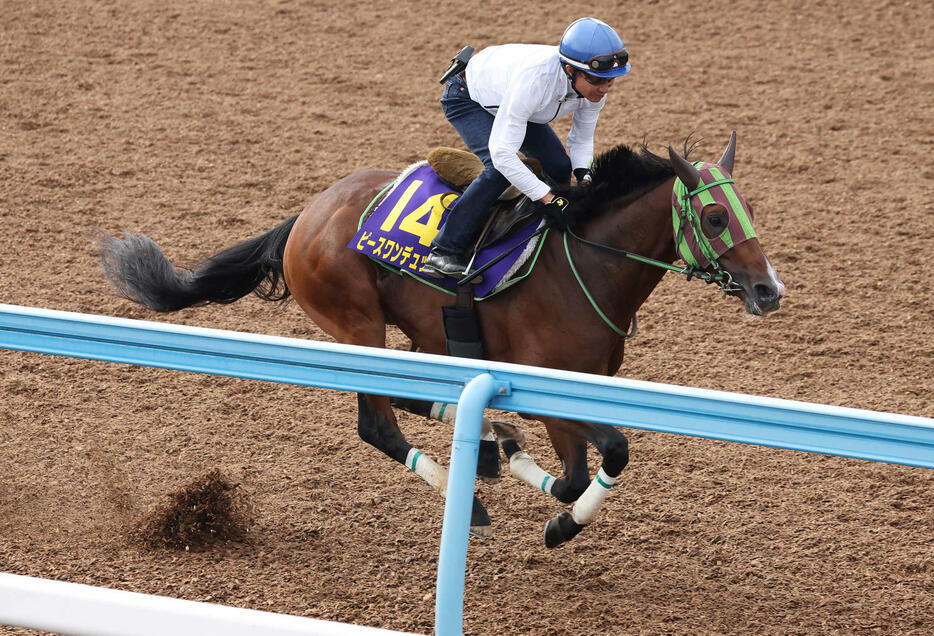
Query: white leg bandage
[524, 467]
[429, 470]
[446, 413]
[586, 507]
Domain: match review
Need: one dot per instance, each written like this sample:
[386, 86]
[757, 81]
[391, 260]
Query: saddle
[458, 168]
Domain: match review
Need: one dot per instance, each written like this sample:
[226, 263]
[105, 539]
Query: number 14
[413, 222]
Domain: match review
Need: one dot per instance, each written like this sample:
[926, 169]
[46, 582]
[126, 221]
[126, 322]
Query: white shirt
[522, 83]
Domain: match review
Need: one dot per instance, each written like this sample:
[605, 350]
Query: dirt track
[201, 125]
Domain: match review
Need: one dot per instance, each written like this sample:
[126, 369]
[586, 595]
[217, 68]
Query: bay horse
[638, 215]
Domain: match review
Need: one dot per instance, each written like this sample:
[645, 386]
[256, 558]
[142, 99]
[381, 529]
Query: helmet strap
[572, 75]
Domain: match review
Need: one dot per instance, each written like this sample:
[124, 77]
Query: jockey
[503, 103]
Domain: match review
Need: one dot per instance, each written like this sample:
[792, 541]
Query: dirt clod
[208, 511]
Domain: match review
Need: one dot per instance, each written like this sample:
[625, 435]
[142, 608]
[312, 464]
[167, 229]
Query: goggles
[596, 81]
[603, 63]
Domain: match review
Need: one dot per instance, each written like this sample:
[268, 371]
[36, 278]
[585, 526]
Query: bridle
[687, 218]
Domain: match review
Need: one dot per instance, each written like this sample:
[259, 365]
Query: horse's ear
[726, 161]
[684, 169]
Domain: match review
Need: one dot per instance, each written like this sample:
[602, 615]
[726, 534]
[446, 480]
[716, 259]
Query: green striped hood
[716, 186]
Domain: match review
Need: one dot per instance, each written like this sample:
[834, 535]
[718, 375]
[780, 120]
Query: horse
[636, 217]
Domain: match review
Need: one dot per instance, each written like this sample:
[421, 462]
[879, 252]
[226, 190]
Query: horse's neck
[620, 285]
[641, 226]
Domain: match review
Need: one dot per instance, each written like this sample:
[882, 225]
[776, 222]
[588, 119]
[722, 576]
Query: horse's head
[714, 233]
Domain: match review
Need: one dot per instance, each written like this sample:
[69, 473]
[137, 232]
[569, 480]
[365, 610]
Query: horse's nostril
[765, 293]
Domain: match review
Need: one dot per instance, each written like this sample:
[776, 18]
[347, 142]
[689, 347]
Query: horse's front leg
[613, 446]
[377, 425]
[522, 466]
[569, 439]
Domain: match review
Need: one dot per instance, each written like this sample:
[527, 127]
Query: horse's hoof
[489, 462]
[480, 524]
[481, 531]
[560, 529]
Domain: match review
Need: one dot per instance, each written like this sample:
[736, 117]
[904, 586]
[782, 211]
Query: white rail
[84, 610]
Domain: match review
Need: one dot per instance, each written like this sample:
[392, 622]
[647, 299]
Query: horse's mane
[617, 174]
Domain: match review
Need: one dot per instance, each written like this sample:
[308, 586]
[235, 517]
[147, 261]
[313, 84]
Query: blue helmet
[592, 46]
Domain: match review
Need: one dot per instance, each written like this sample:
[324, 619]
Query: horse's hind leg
[338, 289]
[377, 425]
[489, 463]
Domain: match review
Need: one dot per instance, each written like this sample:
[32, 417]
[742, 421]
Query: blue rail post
[455, 532]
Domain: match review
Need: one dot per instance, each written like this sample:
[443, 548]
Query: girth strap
[462, 326]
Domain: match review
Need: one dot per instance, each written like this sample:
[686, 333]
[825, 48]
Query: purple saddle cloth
[400, 230]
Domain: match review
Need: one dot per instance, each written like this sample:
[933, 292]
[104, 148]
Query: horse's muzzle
[762, 294]
[760, 291]
[767, 297]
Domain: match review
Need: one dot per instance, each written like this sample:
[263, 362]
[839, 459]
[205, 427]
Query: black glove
[558, 213]
[582, 175]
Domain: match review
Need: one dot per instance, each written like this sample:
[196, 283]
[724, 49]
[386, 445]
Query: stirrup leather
[504, 218]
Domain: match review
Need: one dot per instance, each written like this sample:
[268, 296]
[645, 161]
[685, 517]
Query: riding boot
[440, 264]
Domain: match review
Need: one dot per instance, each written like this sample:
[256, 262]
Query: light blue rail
[474, 385]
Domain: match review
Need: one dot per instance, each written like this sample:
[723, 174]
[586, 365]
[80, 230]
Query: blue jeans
[473, 124]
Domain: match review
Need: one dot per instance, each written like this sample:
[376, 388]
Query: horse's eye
[717, 221]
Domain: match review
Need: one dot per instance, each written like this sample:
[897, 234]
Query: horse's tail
[136, 266]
